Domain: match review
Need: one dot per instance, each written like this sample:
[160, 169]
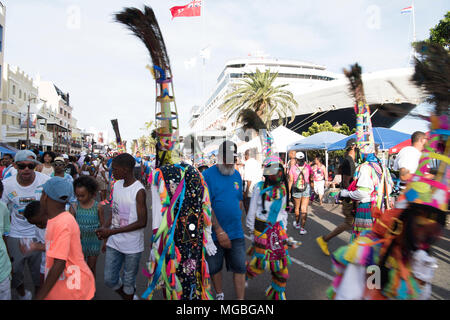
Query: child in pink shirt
[67, 276]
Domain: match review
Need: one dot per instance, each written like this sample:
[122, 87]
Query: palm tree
[257, 93]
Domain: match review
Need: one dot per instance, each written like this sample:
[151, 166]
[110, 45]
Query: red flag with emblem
[192, 9]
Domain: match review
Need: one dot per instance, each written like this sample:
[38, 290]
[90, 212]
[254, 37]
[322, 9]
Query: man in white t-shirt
[408, 158]
[20, 190]
[252, 175]
[125, 238]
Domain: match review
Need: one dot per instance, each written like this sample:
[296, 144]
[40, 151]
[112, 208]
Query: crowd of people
[52, 218]
[47, 201]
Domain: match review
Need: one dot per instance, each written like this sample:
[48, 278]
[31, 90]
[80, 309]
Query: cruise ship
[321, 95]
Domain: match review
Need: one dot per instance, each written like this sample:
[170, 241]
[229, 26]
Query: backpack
[300, 184]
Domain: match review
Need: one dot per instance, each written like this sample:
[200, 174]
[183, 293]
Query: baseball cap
[300, 155]
[350, 143]
[58, 189]
[25, 155]
[65, 156]
[227, 152]
[59, 159]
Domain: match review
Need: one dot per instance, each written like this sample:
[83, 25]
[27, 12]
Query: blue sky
[76, 44]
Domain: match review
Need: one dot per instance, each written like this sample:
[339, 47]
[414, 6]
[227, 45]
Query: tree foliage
[327, 126]
[146, 143]
[440, 34]
[258, 93]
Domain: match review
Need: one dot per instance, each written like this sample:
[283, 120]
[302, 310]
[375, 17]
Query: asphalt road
[310, 272]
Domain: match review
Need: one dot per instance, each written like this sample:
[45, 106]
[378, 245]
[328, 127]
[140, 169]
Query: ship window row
[289, 75]
[216, 92]
[289, 66]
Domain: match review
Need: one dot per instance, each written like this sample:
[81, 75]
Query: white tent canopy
[318, 141]
[282, 137]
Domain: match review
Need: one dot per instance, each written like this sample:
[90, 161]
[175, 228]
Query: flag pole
[203, 99]
[414, 20]
[203, 13]
[413, 53]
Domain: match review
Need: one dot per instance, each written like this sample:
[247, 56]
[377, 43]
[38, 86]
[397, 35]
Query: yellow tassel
[352, 252]
[152, 71]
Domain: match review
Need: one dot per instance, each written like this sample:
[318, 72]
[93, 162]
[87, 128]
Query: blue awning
[386, 138]
[214, 152]
[4, 150]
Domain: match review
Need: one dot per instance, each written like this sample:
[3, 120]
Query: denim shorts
[304, 194]
[114, 260]
[32, 259]
[234, 258]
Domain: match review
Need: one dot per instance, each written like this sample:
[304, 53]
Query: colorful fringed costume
[267, 217]
[180, 199]
[269, 251]
[399, 244]
[182, 227]
[372, 181]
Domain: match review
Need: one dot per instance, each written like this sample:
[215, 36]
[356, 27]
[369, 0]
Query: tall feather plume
[251, 120]
[432, 73]
[115, 125]
[356, 85]
[143, 24]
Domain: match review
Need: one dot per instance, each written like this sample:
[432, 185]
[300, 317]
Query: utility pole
[28, 123]
[28, 120]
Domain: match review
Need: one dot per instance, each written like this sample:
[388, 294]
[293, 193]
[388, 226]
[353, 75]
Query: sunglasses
[22, 166]
[59, 164]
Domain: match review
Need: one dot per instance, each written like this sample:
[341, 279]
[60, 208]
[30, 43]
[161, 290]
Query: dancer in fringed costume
[401, 239]
[372, 183]
[181, 209]
[267, 217]
[121, 148]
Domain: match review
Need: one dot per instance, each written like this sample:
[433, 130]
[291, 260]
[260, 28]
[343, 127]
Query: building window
[20, 94]
[60, 110]
[65, 113]
[14, 90]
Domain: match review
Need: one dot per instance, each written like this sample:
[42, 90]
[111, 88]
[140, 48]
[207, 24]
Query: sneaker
[27, 295]
[302, 231]
[323, 245]
[135, 297]
[220, 296]
[296, 225]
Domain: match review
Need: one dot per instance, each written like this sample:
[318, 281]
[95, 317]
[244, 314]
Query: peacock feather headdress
[143, 24]
[364, 132]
